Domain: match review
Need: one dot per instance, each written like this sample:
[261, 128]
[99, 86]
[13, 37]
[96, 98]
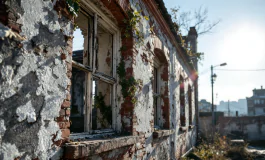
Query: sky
[238, 40]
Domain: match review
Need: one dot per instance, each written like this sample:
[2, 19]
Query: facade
[256, 103]
[121, 86]
[205, 106]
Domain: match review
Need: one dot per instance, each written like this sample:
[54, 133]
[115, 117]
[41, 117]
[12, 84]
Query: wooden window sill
[162, 133]
[82, 149]
[191, 127]
[183, 128]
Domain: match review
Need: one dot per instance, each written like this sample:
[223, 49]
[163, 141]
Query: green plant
[105, 110]
[134, 19]
[73, 6]
[128, 85]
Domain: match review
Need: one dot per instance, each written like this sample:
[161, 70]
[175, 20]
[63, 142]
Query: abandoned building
[95, 79]
[256, 103]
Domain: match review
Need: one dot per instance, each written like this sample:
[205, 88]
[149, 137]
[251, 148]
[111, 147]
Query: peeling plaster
[26, 112]
[45, 139]
[33, 82]
[9, 151]
[43, 13]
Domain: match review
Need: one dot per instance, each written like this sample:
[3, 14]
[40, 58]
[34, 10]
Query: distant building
[205, 106]
[231, 107]
[256, 105]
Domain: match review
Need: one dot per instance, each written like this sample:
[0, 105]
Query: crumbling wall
[33, 80]
[249, 128]
[156, 39]
[35, 67]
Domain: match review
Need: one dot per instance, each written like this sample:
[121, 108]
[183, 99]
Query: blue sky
[239, 40]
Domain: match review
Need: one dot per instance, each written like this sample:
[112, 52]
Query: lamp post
[213, 77]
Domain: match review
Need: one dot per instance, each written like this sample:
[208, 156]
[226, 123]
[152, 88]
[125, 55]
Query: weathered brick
[64, 125]
[63, 56]
[66, 104]
[65, 133]
[68, 97]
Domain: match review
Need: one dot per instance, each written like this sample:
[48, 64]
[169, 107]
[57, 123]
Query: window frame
[190, 97]
[157, 79]
[99, 19]
[182, 102]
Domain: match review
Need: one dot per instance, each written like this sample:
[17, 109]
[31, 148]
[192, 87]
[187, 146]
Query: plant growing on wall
[105, 110]
[73, 6]
[128, 85]
[134, 19]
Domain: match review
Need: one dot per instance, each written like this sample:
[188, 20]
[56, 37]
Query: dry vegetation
[220, 149]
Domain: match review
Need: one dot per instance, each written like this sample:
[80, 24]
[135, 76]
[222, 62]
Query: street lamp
[213, 78]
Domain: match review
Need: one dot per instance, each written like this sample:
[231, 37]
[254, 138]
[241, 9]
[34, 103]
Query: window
[93, 74]
[156, 91]
[160, 89]
[256, 101]
[182, 101]
[190, 104]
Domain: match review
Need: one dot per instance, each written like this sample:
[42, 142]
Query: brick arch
[160, 50]
[160, 55]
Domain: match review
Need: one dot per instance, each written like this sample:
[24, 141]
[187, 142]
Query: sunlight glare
[244, 46]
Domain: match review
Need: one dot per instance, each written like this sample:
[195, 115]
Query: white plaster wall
[33, 83]
[144, 105]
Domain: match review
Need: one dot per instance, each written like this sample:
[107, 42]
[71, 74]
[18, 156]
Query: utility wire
[242, 70]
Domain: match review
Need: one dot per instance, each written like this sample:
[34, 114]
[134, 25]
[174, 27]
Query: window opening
[155, 92]
[101, 108]
[77, 100]
[190, 104]
[182, 102]
[92, 75]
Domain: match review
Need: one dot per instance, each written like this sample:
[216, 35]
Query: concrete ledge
[191, 127]
[162, 133]
[76, 150]
[183, 128]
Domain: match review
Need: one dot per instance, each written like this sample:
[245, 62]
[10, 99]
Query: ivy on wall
[134, 19]
[128, 85]
[73, 6]
[104, 109]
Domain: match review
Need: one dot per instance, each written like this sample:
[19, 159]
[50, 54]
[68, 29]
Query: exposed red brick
[66, 104]
[68, 97]
[68, 88]
[164, 75]
[69, 74]
[59, 142]
[65, 133]
[62, 112]
[63, 56]
[64, 125]
[61, 8]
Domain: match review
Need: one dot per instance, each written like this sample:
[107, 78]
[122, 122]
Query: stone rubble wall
[250, 128]
[35, 65]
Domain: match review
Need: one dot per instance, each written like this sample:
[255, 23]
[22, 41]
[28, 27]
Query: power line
[241, 70]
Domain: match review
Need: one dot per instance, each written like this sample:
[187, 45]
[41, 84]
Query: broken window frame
[156, 91]
[98, 18]
[182, 102]
[190, 104]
